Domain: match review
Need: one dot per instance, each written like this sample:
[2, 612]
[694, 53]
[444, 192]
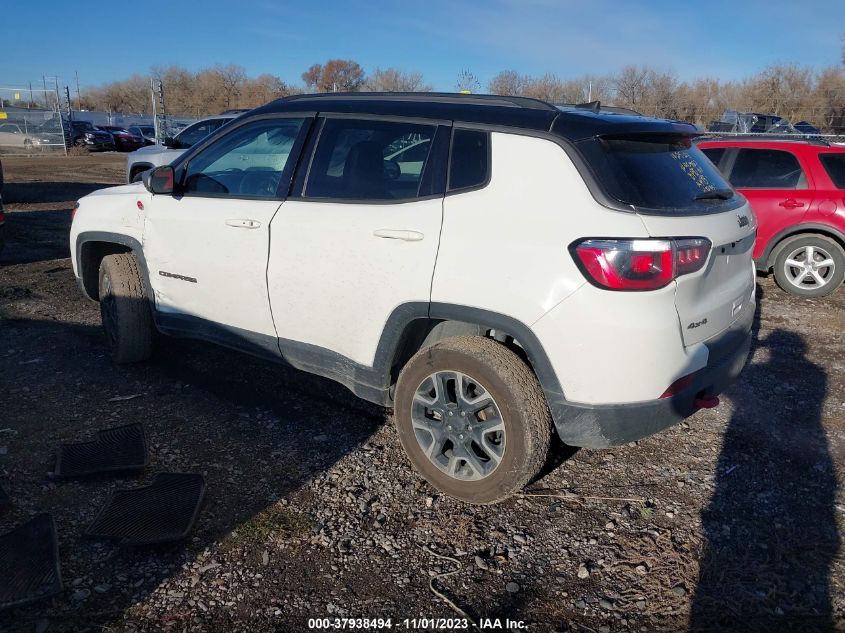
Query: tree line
[796, 92]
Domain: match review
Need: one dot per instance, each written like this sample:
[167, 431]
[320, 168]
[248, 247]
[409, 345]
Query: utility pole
[31, 102]
[78, 98]
[44, 81]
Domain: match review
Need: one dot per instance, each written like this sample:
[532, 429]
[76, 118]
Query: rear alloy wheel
[472, 418]
[810, 266]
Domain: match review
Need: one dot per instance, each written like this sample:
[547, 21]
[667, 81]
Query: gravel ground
[731, 519]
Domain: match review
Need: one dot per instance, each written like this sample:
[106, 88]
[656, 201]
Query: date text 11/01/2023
[417, 624]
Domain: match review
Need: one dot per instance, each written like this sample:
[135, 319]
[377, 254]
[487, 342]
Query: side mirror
[159, 180]
[171, 143]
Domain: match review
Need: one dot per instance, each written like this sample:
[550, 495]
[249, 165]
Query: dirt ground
[729, 521]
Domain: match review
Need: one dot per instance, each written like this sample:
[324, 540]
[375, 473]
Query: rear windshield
[664, 171]
[834, 164]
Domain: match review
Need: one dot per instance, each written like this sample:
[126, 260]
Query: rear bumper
[600, 426]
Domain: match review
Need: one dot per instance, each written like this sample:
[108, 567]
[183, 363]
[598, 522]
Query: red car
[797, 191]
[124, 140]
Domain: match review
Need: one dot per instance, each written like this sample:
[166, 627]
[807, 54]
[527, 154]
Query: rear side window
[369, 160]
[714, 154]
[834, 164]
[469, 164]
[767, 169]
[657, 171]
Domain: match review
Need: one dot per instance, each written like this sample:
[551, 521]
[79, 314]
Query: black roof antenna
[594, 106]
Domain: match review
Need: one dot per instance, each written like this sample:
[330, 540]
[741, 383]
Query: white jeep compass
[493, 268]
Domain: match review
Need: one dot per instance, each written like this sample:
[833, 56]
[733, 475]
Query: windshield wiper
[716, 194]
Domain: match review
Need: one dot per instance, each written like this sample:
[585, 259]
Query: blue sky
[108, 40]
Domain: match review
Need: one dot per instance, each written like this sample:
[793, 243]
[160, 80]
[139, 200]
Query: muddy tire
[125, 309]
[472, 419]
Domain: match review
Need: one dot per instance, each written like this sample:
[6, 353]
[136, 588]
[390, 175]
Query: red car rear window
[834, 164]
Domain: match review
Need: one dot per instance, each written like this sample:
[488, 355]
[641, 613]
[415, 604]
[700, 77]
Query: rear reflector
[639, 264]
[678, 386]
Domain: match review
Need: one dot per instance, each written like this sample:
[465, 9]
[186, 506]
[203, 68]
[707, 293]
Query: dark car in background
[85, 134]
[124, 139]
[2, 212]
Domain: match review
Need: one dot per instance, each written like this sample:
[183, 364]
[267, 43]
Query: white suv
[492, 268]
[151, 156]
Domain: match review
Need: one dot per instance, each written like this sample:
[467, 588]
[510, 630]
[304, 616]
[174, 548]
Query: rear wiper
[716, 194]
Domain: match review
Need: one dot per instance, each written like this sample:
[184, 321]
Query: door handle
[394, 234]
[791, 203]
[243, 223]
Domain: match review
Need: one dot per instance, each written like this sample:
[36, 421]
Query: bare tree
[507, 82]
[336, 75]
[395, 80]
[630, 86]
[230, 77]
[467, 82]
[262, 89]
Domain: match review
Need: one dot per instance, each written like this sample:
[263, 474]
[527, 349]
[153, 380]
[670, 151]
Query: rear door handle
[791, 203]
[243, 223]
[395, 234]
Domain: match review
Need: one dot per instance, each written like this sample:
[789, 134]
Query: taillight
[639, 264]
[73, 211]
[2, 218]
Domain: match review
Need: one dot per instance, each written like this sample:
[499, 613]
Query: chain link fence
[29, 122]
[38, 120]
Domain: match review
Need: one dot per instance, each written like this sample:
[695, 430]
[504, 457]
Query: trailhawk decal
[164, 273]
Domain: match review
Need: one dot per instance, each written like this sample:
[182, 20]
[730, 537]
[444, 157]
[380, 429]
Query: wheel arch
[777, 243]
[93, 246]
[410, 328]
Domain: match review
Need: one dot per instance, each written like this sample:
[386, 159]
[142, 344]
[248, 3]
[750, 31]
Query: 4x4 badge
[742, 219]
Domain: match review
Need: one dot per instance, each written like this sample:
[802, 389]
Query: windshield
[658, 171]
[195, 133]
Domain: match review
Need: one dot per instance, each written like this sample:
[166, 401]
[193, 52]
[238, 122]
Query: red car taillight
[73, 211]
[639, 264]
[2, 218]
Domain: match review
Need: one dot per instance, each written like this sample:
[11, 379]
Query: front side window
[193, 134]
[767, 169]
[469, 161]
[834, 165]
[369, 160]
[249, 162]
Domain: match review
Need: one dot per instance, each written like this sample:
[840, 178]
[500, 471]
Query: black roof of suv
[491, 110]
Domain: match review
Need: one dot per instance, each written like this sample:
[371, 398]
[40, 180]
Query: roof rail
[812, 139]
[596, 106]
[430, 97]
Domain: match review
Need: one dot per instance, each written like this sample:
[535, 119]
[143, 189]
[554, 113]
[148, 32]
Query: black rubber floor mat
[29, 560]
[121, 449]
[164, 511]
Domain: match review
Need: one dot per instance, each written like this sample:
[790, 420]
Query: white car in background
[151, 156]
